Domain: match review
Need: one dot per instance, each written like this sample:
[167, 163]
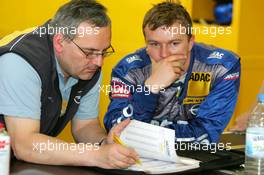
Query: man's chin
[86, 76]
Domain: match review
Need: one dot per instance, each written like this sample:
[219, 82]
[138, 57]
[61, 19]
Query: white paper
[153, 166]
[150, 141]
[155, 146]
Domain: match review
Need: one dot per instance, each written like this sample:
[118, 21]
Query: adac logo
[199, 84]
[200, 76]
[217, 55]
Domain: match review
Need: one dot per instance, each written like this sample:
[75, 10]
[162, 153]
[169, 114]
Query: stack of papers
[156, 148]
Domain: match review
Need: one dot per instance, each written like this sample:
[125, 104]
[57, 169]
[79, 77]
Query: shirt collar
[71, 81]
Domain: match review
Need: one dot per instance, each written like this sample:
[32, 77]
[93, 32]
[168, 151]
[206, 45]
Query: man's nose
[164, 52]
[98, 60]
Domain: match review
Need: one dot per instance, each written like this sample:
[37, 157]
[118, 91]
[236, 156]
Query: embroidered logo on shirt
[133, 58]
[119, 90]
[77, 99]
[232, 76]
[193, 100]
[50, 99]
[216, 55]
[194, 109]
[199, 84]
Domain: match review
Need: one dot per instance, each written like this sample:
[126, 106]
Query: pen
[119, 141]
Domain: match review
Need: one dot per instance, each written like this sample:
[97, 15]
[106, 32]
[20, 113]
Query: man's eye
[175, 43]
[89, 53]
[154, 44]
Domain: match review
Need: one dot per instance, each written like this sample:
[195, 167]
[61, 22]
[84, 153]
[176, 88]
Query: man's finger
[123, 157]
[177, 57]
[128, 152]
[177, 64]
[121, 165]
[121, 126]
[178, 69]
[126, 159]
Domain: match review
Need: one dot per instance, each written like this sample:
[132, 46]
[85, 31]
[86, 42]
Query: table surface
[24, 168]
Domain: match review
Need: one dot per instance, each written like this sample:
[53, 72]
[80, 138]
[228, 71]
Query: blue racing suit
[198, 106]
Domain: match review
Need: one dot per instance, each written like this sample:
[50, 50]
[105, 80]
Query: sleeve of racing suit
[214, 113]
[128, 100]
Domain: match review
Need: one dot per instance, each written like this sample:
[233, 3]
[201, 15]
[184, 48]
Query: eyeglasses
[94, 54]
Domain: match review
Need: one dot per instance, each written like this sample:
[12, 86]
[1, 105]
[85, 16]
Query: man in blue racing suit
[174, 82]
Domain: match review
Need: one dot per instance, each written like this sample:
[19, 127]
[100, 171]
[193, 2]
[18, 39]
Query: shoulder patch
[138, 59]
[213, 55]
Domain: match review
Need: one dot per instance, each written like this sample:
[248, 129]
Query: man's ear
[58, 43]
[191, 42]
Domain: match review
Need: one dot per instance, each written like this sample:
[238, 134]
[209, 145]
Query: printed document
[155, 146]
